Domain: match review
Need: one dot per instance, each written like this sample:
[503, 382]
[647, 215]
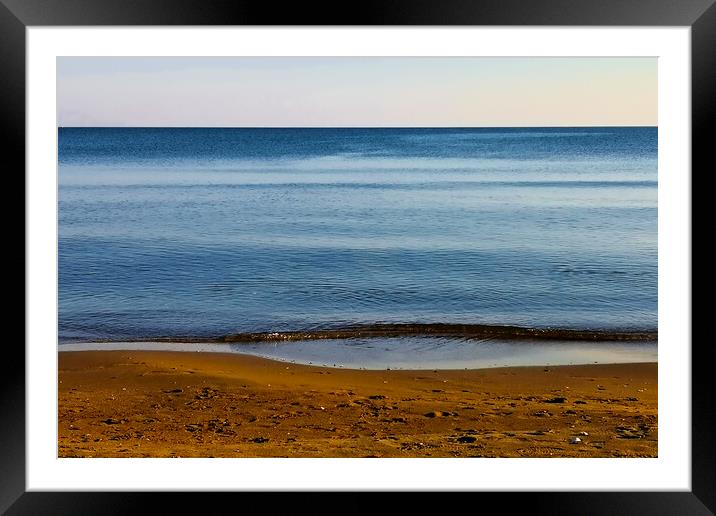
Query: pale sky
[356, 91]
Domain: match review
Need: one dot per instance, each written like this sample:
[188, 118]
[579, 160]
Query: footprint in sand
[438, 413]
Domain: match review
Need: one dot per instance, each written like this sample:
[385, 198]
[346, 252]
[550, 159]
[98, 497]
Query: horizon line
[352, 127]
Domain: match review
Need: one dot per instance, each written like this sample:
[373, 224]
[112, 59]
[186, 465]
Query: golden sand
[173, 404]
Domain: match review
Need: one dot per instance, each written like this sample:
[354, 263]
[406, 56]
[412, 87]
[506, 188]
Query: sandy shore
[171, 404]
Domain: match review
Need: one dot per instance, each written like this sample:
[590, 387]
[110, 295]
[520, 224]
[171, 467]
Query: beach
[183, 404]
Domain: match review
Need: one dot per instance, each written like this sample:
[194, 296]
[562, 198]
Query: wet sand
[173, 404]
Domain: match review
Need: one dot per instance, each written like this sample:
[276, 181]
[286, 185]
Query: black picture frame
[17, 15]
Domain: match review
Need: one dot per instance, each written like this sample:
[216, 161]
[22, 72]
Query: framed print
[410, 249]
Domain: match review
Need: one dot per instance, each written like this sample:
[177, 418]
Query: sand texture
[172, 404]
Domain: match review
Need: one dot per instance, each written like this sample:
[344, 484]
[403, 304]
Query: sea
[181, 233]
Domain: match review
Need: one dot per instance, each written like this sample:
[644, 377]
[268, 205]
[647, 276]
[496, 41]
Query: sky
[356, 91]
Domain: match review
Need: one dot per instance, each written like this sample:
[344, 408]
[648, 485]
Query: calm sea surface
[204, 232]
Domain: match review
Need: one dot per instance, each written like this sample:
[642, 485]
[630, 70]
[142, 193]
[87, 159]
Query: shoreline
[408, 353]
[395, 330]
[216, 348]
[179, 404]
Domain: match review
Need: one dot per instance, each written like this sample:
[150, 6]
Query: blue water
[203, 232]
